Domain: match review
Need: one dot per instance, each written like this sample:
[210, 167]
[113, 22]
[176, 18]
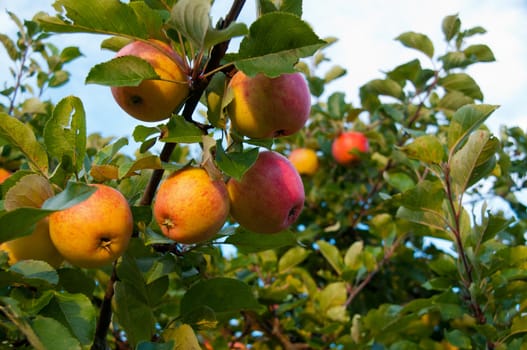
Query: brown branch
[105, 315]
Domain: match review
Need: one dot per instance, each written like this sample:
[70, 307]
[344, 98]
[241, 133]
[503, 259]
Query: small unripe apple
[347, 146]
[36, 246]
[270, 195]
[94, 232]
[4, 174]
[153, 100]
[264, 107]
[305, 161]
[190, 206]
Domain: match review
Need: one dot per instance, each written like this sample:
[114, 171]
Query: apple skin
[270, 195]
[153, 100]
[36, 246]
[4, 174]
[191, 207]
[305, 161]
[95, 232]
[346, 144]
[264, 107]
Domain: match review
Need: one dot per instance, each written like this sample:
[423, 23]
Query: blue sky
[366, 47]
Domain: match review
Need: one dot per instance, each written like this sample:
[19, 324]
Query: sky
[365, 48]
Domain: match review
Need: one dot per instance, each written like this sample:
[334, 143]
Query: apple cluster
[83, 235]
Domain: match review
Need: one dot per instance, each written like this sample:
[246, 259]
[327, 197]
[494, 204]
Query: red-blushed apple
[4, 174]
[94, 232]
[305, 161]
[154, 100]
[270, 195]
[264, 107]
[347, 146]
[190, 206]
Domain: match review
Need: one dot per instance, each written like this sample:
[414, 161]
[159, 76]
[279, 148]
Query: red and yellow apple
[270, 195]
[4, 174]
[346, 148]
[36, 246]
[305, 161]
[154, 100]
[264, 107]
[190, 206]
[94, 232]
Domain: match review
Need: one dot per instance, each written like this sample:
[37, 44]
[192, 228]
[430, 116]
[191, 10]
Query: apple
[264, 107]
[305, 161]
[346, 146]
[4, 174]
[94, 232]
[270, 195]
[36, 246]
[190, 206]
[153, 100]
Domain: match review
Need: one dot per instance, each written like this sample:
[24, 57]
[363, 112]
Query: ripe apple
[190, 206]
[264, 107]
[305, 161]
[95, 232]
[36, 246]
[270, 195]
[153, 100]
[346, 146]
[4, 174]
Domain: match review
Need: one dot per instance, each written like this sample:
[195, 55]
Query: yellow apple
[190, 206]
[4, 174]
[270, 195]
[305, 161]
[264, 107]
[36, 246]
[346, 146]
[95, 232]
[154, 100]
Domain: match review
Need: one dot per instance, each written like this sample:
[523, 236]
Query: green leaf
[407, 71]
[75, 192]
[216, 100]
[235, 164]
[129, 168]
[458, 338]
[76, 312]
[108, 152]
[334, 294]
[121, 71]
[146, 345]
[216, 36]
[417, 41]
[291, 258]
[191, 19]
[251, 242]
[332, 255]
[59, 78]
[427, 149]
[467, 119]
[54, 335]
[22, 137]
[450, 26]
[226, 296]
[352, 257]
[275, 43]
[65, 132]
[385, 87]
[454, 100]
[479, 53]
[462, 82]
[475, 160]
[179, 130]
[183, 337]
[9, 46]
[108, 17]
[21, 222]
[141, 132]
[36, 272]
[291, 6]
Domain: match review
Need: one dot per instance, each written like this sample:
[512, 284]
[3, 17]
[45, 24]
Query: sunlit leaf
[462, 82]
[65, 132]
[21, 136]
[417, 41]
[332, 255]
[121, 71]
[427, 149]
[467, 119]
[179, 130]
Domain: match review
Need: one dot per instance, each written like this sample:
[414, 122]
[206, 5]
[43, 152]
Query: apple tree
[402, 247]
